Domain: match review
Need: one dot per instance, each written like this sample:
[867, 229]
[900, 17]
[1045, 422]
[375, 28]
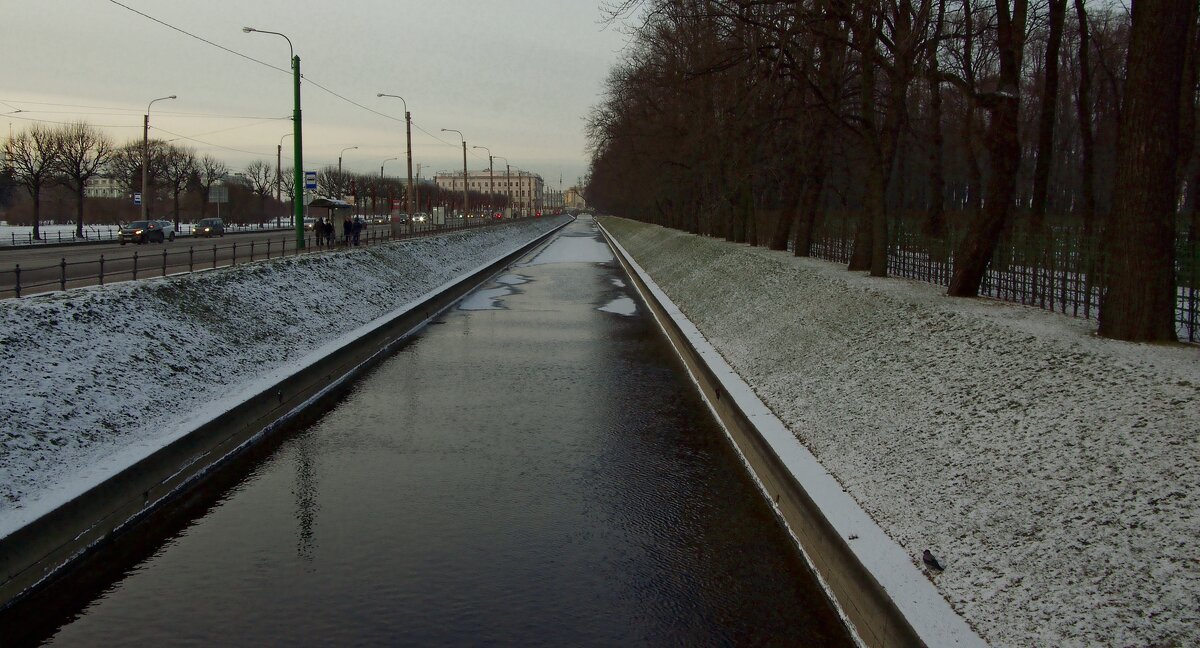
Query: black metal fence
[1058, 269]
[17, 280]
[107, 234]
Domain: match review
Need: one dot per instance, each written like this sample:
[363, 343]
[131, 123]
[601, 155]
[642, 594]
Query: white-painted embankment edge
[894, 572]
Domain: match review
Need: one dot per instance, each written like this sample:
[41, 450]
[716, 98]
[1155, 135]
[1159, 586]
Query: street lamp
[507, 184]
[146, 153]
[279, 172]
[297, 139]
[348, 148]
[491, 180]
[464, 143]
[408, 138]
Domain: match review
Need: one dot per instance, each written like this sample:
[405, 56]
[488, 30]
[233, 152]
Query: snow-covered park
[1052, 472]
[95, 378]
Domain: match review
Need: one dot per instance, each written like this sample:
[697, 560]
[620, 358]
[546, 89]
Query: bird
[931, 562]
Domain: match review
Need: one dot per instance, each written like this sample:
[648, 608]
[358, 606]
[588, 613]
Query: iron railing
[19, 281]
[1058, 269]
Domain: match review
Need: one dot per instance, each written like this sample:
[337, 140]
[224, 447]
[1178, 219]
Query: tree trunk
[935, 224]
[1083, 109]
[79, 211]
[1004, 153]
[1045, 151]
[810, 197]
[1139, 303]
[36, 195]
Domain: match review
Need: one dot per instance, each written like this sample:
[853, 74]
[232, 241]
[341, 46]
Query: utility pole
[146, 154]
[466, 205]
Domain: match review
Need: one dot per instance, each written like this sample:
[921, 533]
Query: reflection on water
[539, 474]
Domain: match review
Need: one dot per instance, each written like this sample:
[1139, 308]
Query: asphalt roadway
[50, 268]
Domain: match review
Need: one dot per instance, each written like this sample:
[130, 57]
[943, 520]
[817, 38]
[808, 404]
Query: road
[535, 468]
[45, 269]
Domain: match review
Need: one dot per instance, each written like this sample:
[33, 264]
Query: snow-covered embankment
[1050, 470]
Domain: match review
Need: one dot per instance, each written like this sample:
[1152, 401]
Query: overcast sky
[517, 76]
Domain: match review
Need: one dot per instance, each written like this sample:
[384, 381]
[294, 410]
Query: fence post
[134, 266]
[251, 250]
[62, 275]
[191, 259]
[234, 254]
[214, 255]
[164, 262]
[268, 248]
[17, 272]
[102, 267]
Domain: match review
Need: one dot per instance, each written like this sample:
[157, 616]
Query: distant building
[103, 187]
[573, 199]
[524, 188]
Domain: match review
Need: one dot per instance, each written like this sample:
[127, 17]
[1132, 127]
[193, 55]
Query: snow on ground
[1052, 472]
[94, 378]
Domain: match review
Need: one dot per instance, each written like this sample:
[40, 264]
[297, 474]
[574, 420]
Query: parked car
[168, 230]
[141, 232]
[420, 218]
[209, 227]
[402, 219]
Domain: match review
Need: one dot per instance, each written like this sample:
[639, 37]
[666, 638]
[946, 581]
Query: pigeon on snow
[931, 562]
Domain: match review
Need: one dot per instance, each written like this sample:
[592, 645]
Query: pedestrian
[347, 227]
[319, 228]
[329, 232]
[357, 229]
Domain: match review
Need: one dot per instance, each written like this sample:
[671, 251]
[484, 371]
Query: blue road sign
[137, 198]
[310, 179]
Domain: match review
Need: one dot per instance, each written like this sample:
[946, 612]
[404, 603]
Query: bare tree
[83, 150]
[179, 164]
[33, 154]
[209, 171]
[262, 183]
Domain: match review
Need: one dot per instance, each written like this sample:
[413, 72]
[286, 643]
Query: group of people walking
[352, 229]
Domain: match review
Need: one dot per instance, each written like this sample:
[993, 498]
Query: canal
[534, 468]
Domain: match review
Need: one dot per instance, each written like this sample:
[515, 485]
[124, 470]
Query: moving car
[168, 230]
[209, 227]
[142, 231]
[420, 218]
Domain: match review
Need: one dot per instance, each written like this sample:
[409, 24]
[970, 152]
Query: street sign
[310, 179]
[218, 194]
[137, 197]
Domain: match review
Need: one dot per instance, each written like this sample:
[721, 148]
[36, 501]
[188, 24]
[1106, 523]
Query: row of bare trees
[760, 121]
[73, 155]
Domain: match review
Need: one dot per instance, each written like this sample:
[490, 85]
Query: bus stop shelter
[338, 211]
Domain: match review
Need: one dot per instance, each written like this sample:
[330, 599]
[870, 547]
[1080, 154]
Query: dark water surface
[535, 469]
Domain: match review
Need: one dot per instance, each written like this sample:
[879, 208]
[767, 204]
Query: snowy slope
[95, 378]
[1051, 471]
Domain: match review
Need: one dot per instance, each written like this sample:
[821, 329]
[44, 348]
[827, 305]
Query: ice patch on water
[620, 306]
[487, 299]
[574, 249]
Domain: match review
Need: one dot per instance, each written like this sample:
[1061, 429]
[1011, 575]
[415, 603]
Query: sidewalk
[1051, 471]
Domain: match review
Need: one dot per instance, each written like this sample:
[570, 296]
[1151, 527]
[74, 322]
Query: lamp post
[279, 171]
[491, 179]
[348, 148]
[146, 154]
[464, 144]
[507, 185]
[408, 139]
[297, 138]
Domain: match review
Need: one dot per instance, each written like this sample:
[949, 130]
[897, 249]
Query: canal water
[535, 468]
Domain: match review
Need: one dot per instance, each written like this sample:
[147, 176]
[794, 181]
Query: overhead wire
[274, 67]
